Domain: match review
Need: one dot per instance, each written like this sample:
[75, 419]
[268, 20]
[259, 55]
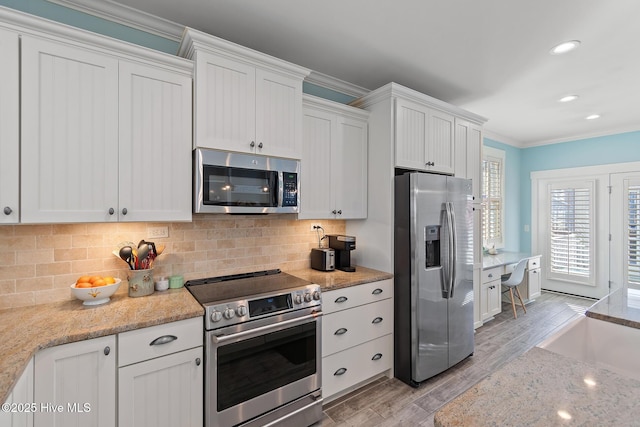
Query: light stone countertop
[540, 388]
[337, 279]
[621, 306]
[503, 258]
[26, 330]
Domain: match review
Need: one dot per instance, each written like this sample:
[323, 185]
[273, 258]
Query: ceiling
[490, 57]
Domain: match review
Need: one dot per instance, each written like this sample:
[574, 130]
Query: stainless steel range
[262, 349]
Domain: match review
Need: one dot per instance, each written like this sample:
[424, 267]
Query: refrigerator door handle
[451, 224]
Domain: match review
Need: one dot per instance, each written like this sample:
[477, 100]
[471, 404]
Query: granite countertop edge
[47, 325]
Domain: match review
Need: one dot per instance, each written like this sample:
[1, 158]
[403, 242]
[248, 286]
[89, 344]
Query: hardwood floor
[390, 402]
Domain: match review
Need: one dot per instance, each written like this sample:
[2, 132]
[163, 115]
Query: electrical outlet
[157, 232]
[315, 225]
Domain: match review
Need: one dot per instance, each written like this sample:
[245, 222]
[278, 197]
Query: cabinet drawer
[349, 328]
[342, 299]
[533, 263]
[491, 274]
[140, 344]
[347, 368]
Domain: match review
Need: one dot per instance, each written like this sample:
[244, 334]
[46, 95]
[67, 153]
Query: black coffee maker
[343, 245]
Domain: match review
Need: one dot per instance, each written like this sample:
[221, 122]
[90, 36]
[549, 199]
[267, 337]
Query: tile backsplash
[39, 262]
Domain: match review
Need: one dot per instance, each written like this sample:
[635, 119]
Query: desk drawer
[533, 263]
[492, 274]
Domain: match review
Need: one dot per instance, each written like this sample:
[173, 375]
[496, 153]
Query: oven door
[256, 367]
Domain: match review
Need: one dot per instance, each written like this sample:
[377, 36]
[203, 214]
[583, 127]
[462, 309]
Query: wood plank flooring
[390, 402]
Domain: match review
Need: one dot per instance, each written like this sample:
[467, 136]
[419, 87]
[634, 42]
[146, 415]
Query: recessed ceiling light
[593, 117]
[568, 98]
[565, 47]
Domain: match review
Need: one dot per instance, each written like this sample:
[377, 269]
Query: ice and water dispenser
[432, 246]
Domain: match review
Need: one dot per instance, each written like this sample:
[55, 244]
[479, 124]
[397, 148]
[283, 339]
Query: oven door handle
[264, 329]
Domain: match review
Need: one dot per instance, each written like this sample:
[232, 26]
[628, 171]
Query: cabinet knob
[124, 211]
[111, 211]
[340, 212]
[340, 331]
[252, 144]
[260, 145]
[340, 371]
[107, 350]
[430, 164]
[7, 210]
[198, 361]
[334, 211]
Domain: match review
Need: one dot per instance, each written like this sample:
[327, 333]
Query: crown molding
[127, 16]
[329, 82]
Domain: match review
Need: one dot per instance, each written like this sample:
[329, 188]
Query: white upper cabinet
[424, 138]
[154, 144]
[334, 161]
[9, 128]
[245, 101]
[69, 133]
[106, 134]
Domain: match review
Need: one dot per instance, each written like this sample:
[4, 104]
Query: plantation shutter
[571, 237]
[633, 234]
[492, 197]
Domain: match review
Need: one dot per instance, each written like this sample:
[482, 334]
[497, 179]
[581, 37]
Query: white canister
[162, 284]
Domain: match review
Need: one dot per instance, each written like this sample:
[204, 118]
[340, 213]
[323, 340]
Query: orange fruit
[97, 283]
[110, 280]
[83, 279]
[94, 278]
[83, 285]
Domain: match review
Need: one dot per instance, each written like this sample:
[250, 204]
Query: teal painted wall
[54, 12]
[619, 148]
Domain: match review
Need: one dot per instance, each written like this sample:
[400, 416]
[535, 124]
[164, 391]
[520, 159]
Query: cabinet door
[21, 394]
[155, 144]
[225, 103]
[349, 169]
[440, 145]
[319, 131]
[533, 282]
[77, 382]
[278, 115]
[9, 128]
[412, 120]
[162, 392]
[69, 128]
[491, 303]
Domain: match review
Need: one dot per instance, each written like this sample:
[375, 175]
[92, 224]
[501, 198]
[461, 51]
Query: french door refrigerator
[433, 274]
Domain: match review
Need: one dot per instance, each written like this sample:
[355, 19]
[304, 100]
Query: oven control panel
[260, 306]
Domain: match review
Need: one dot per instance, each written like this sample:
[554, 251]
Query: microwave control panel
[289, 189]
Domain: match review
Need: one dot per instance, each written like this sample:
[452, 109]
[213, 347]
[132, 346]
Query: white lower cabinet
[357, 336]
[490, 291]
[15, 414]
[160, 379]
[75, 384]
[166, 391]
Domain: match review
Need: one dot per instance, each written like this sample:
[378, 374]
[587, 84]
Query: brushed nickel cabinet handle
[107, 350]
[376, 320]
[340, 371]
[377, 356]
[377, 291]
[340, 331]
[165, 339]
[341, 299]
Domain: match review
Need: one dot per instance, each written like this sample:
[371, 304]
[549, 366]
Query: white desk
[493, 267]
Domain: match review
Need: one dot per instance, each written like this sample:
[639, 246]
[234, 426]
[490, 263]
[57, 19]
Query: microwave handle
[280, 189]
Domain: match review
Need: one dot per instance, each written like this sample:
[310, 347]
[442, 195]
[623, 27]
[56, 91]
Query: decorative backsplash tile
[39, 262]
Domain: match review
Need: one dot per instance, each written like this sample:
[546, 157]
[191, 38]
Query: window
[633, 234]
[571, 235]
[493, 197]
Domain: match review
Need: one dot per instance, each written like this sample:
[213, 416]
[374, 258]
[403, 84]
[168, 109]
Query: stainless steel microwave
[236, 183]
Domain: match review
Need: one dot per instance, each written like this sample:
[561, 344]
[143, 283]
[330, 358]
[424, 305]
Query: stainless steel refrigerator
[433, 274]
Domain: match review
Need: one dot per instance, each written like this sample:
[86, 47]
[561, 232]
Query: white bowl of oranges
[95, 290]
